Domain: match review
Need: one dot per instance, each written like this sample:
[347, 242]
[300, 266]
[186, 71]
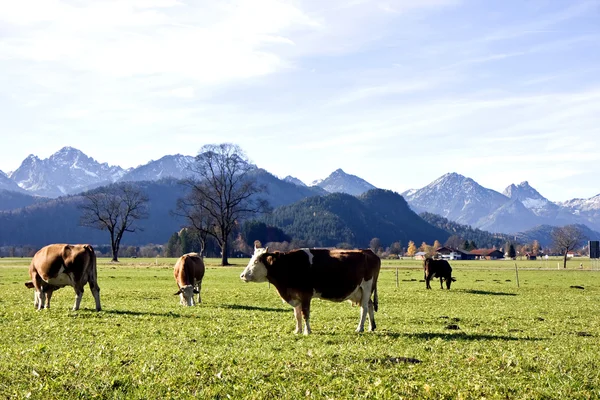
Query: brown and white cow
[188, 272]
[59, 265]
[437, 268]
[334, 275]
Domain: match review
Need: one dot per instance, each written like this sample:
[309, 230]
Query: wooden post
[517, 273]
[396, 277]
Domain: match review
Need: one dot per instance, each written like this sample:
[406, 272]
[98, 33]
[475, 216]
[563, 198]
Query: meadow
[485, 338]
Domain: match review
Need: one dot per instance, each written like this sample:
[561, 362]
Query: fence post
[517, 273]
[396, 276]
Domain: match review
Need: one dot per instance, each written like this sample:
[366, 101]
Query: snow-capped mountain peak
[455, 197]
[176, 166]
[531, 199]
[591, 204]
[339, 181]
[8, 184]
[65, 172]
[294, 180]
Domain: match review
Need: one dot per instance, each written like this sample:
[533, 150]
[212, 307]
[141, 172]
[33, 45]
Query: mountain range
[518, 208]
[70, 171]
[453, 196]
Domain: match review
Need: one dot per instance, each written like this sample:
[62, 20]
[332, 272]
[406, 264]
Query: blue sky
[397, 92]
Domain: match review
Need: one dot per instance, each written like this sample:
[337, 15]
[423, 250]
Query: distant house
[449, 253]
[487, 254]
[420, 255]
[530, 256]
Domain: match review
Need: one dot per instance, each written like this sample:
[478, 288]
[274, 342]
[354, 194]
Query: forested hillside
[483, 239]
[57, 220]
[10, 200]
[341, 218]
[543, 234]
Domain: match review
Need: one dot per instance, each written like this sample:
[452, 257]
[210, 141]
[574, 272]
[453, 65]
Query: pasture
[485, 338]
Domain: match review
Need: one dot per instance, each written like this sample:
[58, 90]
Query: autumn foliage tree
[535, 248]
[412, 249]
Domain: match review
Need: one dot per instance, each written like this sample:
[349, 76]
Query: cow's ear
[257, 244]
[178, 292]
[270, 260]
[266, 249]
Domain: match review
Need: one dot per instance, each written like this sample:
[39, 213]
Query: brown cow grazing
[438, 268]
[59, 265]
[335, 275]
[188, 272]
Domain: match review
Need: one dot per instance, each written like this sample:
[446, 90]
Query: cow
[437, 268]
[58, 265]
[303, 274]
[188, 273]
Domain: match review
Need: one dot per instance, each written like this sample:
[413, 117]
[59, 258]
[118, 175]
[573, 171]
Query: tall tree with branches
[116, 209]
[567, 238]
[222, 194]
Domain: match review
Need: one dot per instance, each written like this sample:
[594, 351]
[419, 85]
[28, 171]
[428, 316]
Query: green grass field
[536, 341]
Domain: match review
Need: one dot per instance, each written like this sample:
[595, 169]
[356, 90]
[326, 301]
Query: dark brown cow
[59, 265]
[438, 268]
[188, 272]
[335, 275]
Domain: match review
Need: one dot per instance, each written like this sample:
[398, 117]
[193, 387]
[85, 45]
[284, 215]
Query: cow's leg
[36, 299]
[448, 282]
[371, 316]
[427, 280]
[298, 316]
[199, 286]
[95, 289]
[306, 314]
[441, 282]
[41, 299]
[78, 296]
[365, 298]
[48, 297]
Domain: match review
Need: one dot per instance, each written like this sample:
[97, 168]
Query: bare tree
[222, 193]
[567, 238]
[197, 217]
[116, 209]
[375, 245]
[454, 242]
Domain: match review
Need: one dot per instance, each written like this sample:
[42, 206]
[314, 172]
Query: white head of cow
[186, 295]
[255, 271]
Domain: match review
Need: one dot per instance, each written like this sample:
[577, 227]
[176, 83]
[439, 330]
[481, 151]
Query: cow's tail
[375, 298]
[453, 279]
